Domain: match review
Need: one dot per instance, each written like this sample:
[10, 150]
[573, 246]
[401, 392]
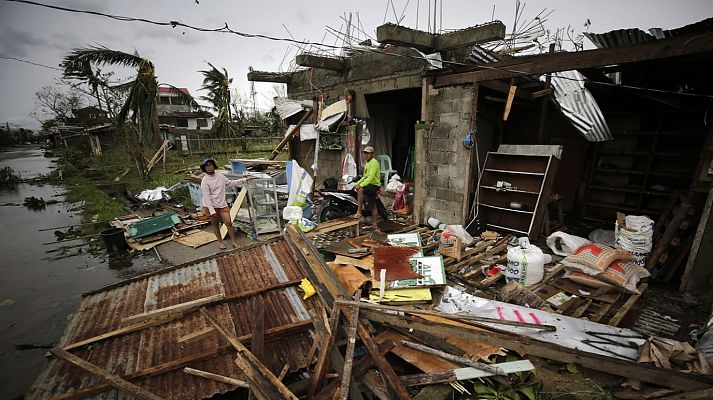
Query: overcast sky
[44, 36]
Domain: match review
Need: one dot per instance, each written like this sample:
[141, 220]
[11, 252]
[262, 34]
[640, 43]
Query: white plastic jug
[526, 263]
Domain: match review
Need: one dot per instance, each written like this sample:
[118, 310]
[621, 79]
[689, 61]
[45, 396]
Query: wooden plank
[216, 377]
[197, 335]
[390, 377]
[257, 344]
[457, 317]
[376, 385]
[511, 97]
[363, 263]
[325, 350]
[333, 225]
[261, 379]
[272, 334]
[454, 358]
[616, 319]
[349, 354]
[196, 238]
[234, 209]
[121, 331]
[113, 380]
[564, 61]
[528, 345]
[361, 367]
[174, 309]
[291, 133]
[501, 245]
[697, 395]
[461, 374]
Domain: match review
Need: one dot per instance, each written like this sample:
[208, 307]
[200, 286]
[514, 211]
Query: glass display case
[264, 211]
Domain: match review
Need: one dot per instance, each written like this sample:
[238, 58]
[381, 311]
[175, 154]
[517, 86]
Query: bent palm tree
[217, 84]
[140, 103]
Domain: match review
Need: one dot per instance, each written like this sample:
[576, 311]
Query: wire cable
[29, 62]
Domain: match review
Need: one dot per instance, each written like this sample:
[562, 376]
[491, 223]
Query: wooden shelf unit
[638, 171]
[531, 177]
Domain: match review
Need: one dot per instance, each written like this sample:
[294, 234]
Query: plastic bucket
[114, 239]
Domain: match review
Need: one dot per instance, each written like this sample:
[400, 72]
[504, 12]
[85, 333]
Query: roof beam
[424, 41]
[546, 63]
[274, 77]
[315, 61]
[406, 37]
[467, 37]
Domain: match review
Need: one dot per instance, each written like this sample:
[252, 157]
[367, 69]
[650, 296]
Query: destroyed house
[626, 128]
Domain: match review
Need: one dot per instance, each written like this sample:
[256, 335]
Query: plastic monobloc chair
[385, 165]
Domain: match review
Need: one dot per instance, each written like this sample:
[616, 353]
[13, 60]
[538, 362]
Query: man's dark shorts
[370, 192]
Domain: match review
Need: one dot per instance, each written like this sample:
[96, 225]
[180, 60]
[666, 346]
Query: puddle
[40, 285]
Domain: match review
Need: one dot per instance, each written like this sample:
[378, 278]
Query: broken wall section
[446, 162]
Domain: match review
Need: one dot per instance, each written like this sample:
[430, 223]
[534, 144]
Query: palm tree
[140, 103]
[217, 84]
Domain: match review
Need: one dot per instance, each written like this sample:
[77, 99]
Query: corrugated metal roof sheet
[631, 36]
[138, 352]
[579, 106]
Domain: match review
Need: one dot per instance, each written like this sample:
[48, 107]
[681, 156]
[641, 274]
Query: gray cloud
[16, 43]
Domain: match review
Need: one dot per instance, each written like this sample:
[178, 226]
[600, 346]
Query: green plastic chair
[385, 166]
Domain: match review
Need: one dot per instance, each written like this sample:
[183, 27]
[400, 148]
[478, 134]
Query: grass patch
[82, 173]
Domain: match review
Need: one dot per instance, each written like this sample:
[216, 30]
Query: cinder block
[435, 156]
[445, 194]
[439, 181]
[449, 120]
[440, 132]
[457, 183]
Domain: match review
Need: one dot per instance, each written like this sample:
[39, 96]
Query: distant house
[176, 111]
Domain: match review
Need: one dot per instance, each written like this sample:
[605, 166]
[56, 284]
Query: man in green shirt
[369, 185]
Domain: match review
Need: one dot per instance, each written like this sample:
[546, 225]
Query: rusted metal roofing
[152, 349]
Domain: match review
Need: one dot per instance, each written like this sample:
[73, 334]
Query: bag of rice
[586, 280]
[624, 274]
[594, 258]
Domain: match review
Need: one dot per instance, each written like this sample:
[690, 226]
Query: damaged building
[627, 125]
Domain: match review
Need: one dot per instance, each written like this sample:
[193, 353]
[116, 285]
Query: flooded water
[39, 288]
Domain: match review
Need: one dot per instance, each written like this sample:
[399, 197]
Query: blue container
[237, 167]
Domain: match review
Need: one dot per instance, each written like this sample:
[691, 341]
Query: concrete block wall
[447, 161]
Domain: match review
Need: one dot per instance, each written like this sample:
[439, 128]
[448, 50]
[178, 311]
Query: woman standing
[213, 199]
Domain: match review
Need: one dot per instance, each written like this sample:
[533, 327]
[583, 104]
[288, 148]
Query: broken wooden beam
[460, 374]
[114, 380]
[457, 317]
[551, 351]
[290, 134]
[216, 377]
[325, 350]
[262, 380]
[196, 336]
[257, 344]
[452, 357]
[353, 316]
[392, 380]
[174, 309]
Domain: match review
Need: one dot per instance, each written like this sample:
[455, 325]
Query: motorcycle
[342, 203]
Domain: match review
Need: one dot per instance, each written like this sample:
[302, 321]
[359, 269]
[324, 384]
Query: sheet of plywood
[475, 350]
[423, 361]
[196, 238]
[146, 246]
[363, 263]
